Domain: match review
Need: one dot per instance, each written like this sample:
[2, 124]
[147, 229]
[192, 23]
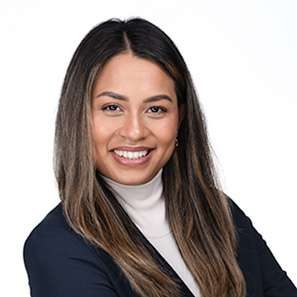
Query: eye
[159, 109]
[110, 107]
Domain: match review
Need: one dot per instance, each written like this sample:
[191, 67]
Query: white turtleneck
[145, 204]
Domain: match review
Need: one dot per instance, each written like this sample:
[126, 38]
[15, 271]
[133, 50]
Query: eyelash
[163, 109]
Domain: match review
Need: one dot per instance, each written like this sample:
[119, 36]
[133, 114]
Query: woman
[142, 212]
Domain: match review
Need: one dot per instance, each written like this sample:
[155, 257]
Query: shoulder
[59, 262]
[53, 234]
[243, 226]
[262, 270]
[239, 216]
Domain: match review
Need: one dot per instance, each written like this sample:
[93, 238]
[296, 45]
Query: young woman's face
[130, 121]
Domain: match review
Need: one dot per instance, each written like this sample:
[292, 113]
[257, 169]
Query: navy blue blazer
[60, 263]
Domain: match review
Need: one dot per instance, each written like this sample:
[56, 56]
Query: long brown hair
[197, 209]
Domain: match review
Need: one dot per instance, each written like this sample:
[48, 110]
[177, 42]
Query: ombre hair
[198, 211]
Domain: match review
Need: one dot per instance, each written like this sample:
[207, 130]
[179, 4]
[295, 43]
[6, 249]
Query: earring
[176, 142]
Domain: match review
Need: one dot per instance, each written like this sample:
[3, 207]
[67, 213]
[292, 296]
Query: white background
[242, 56]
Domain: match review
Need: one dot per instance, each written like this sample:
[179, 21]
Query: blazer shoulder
[60, 262]
[243, 226]
[239, 216]
[54, 236]
[52, 231]
[260, 267]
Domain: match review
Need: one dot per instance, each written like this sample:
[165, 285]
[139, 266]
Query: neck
[144, 204]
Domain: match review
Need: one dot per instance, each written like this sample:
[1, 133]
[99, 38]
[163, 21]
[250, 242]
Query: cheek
[101, 133]
[165, 137]
[165, 131]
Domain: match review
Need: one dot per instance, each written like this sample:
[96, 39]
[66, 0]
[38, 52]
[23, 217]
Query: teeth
[131, 155]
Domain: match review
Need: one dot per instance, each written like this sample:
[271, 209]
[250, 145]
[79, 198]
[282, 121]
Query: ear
[181, 113]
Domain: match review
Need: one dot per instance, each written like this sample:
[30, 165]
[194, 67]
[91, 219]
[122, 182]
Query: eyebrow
[122, 97]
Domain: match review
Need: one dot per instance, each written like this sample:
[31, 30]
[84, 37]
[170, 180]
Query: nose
[133, 128]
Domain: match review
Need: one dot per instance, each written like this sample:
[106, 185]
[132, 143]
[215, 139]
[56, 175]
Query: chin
[133, 179]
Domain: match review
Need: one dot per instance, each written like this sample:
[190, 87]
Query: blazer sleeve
[60, 265]
[276, 282]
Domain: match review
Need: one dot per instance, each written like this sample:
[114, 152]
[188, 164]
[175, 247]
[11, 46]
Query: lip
[137, 162]
[133, 148]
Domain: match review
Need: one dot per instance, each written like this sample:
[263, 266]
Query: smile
[132, 158]
[131, 155]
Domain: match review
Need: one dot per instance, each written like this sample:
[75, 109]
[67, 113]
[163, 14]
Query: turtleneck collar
[144, 204]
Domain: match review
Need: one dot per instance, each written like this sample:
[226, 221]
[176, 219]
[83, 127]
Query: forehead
[128, 74]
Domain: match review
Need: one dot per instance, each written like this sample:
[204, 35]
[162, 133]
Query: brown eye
[158, 109]
[110, 107]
